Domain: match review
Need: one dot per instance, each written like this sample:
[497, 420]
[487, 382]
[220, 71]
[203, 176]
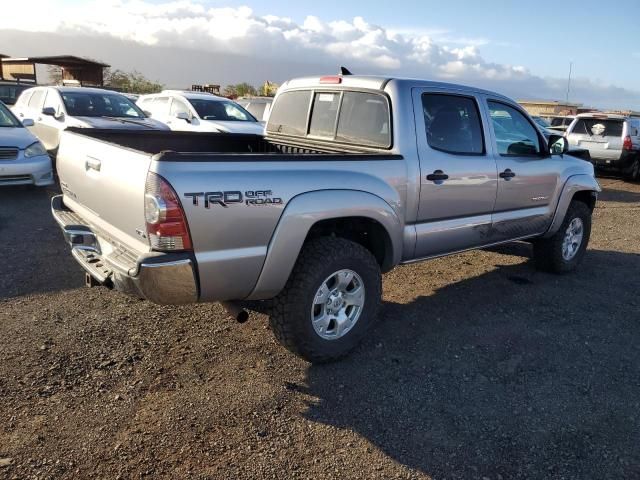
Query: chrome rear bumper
[165, 278]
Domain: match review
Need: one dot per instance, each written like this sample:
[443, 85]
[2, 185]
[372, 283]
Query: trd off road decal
[224, 199]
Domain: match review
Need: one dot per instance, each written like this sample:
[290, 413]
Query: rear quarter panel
[231, 242]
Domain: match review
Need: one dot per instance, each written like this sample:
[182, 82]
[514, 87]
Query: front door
[528, 177]
[458, 174]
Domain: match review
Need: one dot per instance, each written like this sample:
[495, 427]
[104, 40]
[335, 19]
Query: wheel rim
[337, 304]
[572, 239]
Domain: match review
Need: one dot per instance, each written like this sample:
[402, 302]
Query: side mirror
[147, 113]
[49, 111]
[558, 144]
[184, 116]
[28, 122]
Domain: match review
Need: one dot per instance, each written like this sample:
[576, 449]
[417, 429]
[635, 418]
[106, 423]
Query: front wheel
[563, 251]
[330, 300]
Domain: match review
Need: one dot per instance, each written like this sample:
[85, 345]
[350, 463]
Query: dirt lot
[479, 368]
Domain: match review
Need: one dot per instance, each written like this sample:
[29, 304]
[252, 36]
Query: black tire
[291, 310]
[634, 172]
[547, 252]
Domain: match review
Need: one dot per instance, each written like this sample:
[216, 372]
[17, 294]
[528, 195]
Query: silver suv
[613, 141]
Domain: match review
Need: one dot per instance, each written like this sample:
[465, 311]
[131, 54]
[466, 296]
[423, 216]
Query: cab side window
[53, 100]
[453, 124]
[159, 106]
[515, 135]
[178, 106]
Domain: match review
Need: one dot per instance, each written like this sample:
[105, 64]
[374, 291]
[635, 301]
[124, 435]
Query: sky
[521, 49]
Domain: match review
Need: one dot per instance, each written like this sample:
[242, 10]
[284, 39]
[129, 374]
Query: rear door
[458, 174]
[603, 137]
[528, 178]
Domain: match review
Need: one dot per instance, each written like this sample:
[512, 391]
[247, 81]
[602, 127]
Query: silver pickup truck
[354, 176]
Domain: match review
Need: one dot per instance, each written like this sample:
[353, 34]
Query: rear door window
[453, 124]
[364, 119]
[289, 114]
[37, 99]
[598, 127]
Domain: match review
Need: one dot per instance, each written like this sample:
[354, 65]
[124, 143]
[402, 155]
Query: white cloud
[362, 46]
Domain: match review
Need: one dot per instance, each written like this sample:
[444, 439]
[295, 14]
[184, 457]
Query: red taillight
[627, 144]
[331, 79]
[167, 227]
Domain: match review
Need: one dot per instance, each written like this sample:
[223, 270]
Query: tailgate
[105, 184]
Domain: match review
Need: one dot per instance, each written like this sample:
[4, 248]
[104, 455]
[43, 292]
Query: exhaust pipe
[235, 311]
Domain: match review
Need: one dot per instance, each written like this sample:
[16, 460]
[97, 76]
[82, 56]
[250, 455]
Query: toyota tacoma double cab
[353, 176]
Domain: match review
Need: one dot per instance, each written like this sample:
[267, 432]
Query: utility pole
[569, 81]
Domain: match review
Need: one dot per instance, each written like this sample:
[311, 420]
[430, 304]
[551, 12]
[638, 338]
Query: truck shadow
[512, 373]
[33, 255]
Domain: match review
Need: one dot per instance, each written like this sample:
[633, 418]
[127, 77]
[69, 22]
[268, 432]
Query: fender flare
[304, 211]
[573, 185]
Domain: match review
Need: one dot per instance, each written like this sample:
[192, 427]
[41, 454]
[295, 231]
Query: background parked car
[10, 91]
[199, 112]
[560, 123]
[613, 141]
[259, 107]
[55, 108]
[23, 159]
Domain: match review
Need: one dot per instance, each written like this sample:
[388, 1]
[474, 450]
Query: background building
[549, 108]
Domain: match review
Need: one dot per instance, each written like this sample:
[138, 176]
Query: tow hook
[235, 311]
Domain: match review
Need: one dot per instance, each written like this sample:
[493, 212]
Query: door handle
[507, 174]
[93, 164]
[437, 176]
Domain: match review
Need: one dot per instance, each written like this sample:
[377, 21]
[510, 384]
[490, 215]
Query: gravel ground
[480, 367]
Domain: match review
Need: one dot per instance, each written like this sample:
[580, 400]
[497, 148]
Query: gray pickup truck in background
[354, 176]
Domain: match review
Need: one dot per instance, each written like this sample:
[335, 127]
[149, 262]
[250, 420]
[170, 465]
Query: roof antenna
[345, 71]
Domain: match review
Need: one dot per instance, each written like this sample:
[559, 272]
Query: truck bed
[167, 144]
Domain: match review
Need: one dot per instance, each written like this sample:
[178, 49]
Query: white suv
[199, 112]
[613, 141]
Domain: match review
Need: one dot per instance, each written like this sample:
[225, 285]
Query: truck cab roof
[373, 82]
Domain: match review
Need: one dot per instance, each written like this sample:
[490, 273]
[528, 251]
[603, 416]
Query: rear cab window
[344, 116]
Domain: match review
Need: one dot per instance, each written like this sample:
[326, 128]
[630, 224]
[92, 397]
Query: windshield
[6, 117]
[221, 110]
[10, 93]
[103, 104]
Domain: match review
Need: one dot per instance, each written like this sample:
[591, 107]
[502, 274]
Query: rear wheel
[330, 300]
[563, 251]
[634, 171]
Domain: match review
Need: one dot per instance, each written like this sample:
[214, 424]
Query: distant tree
[130, 82]
[268, 89]
[240, 90]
